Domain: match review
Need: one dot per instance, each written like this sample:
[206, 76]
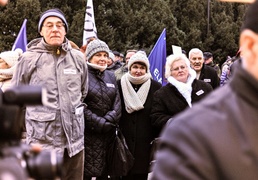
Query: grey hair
[194, 51]
[171, 59]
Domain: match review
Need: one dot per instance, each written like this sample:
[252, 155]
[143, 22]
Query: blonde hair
[171, 59]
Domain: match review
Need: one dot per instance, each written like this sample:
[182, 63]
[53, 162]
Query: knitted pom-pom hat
[140, 56]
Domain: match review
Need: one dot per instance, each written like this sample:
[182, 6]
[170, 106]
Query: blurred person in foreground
[102, 113]
[217, 139]
[51, 62]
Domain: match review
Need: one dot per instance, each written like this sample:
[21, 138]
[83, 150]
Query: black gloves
[108, 126]
[110, 116]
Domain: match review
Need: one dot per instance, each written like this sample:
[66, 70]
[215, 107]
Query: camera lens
[45, 165]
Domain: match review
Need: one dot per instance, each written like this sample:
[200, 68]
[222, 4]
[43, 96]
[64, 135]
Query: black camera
[17, 160]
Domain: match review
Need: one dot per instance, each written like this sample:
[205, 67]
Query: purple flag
[21, 40]
[157, 58]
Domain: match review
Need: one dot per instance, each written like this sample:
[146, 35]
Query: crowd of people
[216, 139]
[93, 91]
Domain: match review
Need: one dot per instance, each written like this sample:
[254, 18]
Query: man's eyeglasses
[58, 25]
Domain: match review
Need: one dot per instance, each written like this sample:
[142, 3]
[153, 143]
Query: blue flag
[157, 58]
[21, 40]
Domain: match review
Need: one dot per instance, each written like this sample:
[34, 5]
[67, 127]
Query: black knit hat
[251, 18]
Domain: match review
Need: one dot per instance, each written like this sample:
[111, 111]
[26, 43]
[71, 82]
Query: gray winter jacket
[65, 76]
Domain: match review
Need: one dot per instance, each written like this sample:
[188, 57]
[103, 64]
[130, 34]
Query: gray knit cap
[52, 12]
[96, 46]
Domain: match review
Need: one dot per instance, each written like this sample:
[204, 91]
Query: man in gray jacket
[51, 62]
[217, 138]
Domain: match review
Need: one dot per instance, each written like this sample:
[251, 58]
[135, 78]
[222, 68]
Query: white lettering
[157, 75]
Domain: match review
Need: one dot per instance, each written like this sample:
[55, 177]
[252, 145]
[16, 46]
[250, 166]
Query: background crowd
[94, 90]
[216, 138]
[101, 90]
[137, 24]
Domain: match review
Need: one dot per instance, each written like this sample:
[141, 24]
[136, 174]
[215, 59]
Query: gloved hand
[110, 116]
[108, 126]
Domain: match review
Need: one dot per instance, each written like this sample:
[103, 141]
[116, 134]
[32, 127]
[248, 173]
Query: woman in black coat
[102, 113]
[181, 92]
[136, 90]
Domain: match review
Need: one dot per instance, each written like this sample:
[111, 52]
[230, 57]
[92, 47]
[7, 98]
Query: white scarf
[184, 88]
[95, 66]
[133, 100]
